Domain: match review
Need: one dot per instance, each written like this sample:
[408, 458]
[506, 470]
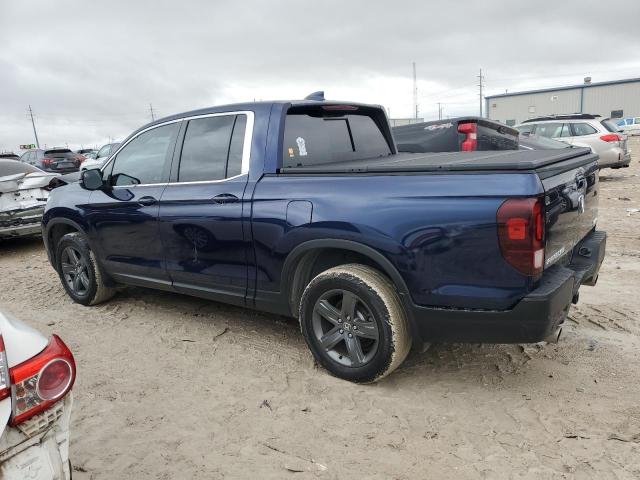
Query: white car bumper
[39, 448]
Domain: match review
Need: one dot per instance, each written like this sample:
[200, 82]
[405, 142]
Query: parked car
[36, 378]
[460, 134]
[9, 156]
[24, 190]
[101, 157]
[583, 130]
[59, 160]
[305, 208]
[630, 126]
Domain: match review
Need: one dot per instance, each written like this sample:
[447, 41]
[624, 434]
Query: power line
[35, 134]
[153, 118]
[480, 82]
[415, 91]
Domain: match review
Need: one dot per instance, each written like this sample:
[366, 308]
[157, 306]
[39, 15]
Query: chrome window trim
[246, 147]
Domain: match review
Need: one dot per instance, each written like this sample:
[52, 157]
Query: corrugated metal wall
[599, 100]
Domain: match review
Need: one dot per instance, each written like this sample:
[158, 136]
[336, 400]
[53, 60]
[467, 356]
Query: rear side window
[580, 129]
[212, 148]
[315, 137]
[549, 130]
[142, 160]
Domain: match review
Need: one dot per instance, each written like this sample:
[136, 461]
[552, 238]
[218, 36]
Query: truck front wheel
[354, 323]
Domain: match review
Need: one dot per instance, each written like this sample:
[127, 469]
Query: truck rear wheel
[354, 323]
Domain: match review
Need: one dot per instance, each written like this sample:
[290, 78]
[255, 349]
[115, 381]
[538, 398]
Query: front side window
[104, 151]
[581, 129]
[212, 148]
[142, 160]
[526, 129]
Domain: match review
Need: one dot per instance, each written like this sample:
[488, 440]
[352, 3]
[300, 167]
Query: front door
[124, 216]
[202, 209]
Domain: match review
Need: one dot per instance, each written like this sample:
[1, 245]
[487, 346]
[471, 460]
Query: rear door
[124, 217]
[202, 210]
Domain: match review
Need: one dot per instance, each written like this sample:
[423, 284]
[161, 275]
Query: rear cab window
[317, 135]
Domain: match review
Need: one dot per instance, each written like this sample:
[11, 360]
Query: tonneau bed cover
[545, 162]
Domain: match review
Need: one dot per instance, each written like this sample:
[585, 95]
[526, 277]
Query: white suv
[583, 130]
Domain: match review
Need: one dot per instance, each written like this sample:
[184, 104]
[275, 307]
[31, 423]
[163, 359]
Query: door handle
[224, 198]
[147, 201]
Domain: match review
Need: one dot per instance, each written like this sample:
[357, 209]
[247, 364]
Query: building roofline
[571, 87]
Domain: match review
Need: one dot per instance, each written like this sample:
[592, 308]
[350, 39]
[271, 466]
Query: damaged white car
[24, 190]
[36, 377]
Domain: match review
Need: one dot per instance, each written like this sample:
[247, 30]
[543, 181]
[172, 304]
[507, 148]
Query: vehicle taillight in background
[5, 382]
[470, 129]
[42, 380]
[80, 159]
[611, 137]
[47, 161]
[521, 234]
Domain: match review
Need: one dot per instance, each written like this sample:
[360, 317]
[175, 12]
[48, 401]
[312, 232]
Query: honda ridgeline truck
[306, 209]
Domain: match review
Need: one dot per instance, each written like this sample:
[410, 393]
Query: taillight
[521, 234]
[47, 161]
[5, 382]
[470, 143]
[42, 380]
[80, 158]
[611, 137]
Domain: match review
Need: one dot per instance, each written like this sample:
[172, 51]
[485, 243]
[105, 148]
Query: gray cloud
[90, 69]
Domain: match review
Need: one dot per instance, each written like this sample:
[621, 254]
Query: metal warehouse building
[616, 99]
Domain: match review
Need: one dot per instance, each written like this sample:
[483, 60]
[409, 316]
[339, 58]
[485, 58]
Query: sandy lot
[175, 387]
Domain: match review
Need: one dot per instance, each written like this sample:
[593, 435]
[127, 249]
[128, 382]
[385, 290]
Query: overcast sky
[90, 69]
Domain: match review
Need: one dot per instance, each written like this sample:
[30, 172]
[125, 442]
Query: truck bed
[544, 162]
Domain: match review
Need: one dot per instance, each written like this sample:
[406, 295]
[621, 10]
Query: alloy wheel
[75, 271]
[345, 328]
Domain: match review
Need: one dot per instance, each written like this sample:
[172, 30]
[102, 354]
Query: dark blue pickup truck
[305, 208]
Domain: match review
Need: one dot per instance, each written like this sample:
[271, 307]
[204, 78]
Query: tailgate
[571, 201]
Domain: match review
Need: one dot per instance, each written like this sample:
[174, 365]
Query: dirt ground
[176, 387]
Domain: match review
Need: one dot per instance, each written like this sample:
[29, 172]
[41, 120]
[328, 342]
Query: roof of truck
[255, 106]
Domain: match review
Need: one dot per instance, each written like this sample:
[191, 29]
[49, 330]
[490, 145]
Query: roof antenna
[316, 96]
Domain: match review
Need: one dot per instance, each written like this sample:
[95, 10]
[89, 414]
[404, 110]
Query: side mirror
[92, 179]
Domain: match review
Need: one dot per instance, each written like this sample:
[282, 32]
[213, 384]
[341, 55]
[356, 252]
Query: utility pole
[439, 111]
[152, 115]
[35, 134]
[480, 84]
[415, 92]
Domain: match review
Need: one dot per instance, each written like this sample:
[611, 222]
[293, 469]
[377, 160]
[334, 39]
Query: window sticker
[302, 148]
[291, 154]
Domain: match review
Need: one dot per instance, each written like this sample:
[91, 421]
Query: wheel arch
[299, 264]
[55, 230]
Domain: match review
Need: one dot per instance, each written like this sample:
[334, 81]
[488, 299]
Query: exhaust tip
[554, 337]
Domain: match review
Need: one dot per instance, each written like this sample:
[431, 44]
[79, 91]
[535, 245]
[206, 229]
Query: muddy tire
[79, 271]
[354, 323]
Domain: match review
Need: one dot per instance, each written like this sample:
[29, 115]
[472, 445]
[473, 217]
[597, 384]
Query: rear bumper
[624, 162]
[41, 448]
[533, 318]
